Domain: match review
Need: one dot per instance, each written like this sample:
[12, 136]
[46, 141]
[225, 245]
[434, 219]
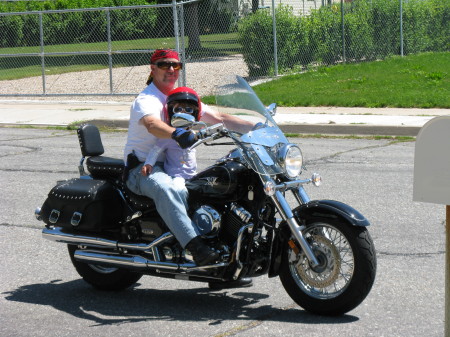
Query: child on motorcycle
[178, 163]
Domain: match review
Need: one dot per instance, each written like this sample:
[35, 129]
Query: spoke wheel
[101, 277]
[336, 263]
[346, 270]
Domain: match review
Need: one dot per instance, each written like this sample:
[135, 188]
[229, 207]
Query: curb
[325, 129]
[341, 129]
[336, 129]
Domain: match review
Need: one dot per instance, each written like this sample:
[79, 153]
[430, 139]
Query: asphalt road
[42, 295]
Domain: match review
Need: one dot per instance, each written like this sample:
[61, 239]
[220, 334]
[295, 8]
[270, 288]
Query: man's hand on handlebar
[184, 138]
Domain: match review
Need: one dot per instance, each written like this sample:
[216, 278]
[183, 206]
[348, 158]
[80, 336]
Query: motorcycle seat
[105, 167]
[101, 167]
[139, 202]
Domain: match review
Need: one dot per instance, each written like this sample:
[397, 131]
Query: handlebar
[212, 132]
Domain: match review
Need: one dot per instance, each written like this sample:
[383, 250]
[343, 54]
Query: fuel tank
[225, 180]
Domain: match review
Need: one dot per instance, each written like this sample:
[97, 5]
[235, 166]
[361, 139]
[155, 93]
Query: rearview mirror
[272, 109]
[182, 120]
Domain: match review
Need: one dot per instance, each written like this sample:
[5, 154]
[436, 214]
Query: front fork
[287, 215]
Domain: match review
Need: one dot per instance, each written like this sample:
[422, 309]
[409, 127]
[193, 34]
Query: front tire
[346, 271]
[103, 278]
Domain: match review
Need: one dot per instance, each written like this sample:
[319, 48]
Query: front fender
[333, 209]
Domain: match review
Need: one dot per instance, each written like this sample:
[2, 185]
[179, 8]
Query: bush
[371, 31]
[216, 17]
[255, 34]
[426, 26]
[73, 27]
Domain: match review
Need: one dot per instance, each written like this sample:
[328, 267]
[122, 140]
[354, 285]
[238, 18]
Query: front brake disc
[327, 272]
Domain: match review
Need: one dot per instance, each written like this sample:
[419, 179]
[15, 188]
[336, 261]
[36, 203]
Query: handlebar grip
[206, 132]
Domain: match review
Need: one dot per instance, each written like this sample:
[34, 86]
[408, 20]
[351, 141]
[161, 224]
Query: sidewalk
[323, 120]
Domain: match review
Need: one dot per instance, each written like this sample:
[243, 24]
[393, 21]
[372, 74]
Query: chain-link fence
[106, 51]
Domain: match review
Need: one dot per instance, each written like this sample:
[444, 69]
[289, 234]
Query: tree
[255, 5]
[191, 24]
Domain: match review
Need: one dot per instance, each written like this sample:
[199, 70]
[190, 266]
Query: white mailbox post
[432, 181]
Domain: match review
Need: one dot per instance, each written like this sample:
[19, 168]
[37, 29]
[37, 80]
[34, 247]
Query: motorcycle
[321, 250]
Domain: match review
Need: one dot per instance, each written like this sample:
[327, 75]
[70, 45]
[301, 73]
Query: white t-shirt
[151, 102]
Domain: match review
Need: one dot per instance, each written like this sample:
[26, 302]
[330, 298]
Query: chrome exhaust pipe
[111, 259]
[128, 261]
[56, 234]
[136, 262]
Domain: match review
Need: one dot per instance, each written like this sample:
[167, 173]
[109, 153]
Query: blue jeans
[170, 200]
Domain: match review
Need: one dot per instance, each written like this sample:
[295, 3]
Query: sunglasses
[187, 109]
[166, 65]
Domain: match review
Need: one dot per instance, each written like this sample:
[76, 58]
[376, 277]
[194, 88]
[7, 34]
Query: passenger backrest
[90, 140]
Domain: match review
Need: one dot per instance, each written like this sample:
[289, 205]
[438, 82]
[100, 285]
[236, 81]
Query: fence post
[41, 36]
[401, 27]
[182, 45]
[176, 32]
[343, 31]
[108, 33]
[275, 47]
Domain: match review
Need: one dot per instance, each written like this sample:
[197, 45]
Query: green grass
[393, 139]
[27, 66]
[415, 81]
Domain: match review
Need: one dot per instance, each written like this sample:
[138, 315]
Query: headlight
[291, 160]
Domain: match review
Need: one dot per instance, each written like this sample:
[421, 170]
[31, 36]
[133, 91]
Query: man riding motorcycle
[147, 125]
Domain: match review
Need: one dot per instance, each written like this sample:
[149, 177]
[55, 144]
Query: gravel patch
[203, 76]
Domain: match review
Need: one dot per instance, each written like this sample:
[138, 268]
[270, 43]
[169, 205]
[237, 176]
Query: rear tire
[346, 271]
[103, 278]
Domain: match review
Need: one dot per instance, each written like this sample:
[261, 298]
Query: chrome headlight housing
[291, 160]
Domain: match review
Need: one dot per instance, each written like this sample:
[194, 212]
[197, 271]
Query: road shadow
[135, 304]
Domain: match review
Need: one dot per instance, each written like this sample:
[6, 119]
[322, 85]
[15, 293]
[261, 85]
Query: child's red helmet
[183, 94]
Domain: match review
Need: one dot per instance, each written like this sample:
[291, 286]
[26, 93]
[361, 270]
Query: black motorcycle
[321, 249]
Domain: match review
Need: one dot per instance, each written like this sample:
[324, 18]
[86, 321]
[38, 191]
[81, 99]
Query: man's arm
[233, 122]
[157, 127]
[161, 130]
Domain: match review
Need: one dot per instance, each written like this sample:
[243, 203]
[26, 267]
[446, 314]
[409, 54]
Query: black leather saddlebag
[83, 204]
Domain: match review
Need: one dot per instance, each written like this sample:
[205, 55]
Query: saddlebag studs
[54, 216]
[76, 218]
[84, 205]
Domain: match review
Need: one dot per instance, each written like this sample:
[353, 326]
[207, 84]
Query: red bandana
[164, 54]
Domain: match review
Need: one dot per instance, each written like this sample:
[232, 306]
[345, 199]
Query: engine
[212, 224]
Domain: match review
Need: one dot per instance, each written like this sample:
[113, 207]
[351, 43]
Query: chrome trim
[136, 262]
[288, 216]
[146, 247]
[240, 265]
[37, 214]
[291, 184]
[301, 195]
[110, 259]
[56, 234]
[81, 170]
[281, 158]
[240, 212]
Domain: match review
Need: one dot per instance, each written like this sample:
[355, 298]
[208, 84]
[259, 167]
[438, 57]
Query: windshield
[261, 145]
